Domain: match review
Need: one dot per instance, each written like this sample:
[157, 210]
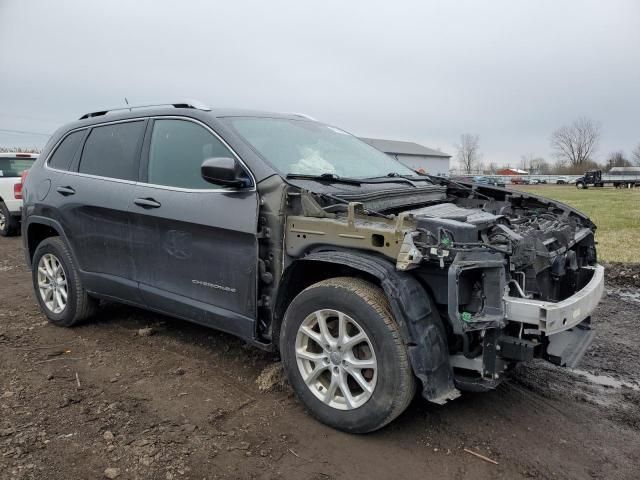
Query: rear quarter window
[112, 150]
[63, 155]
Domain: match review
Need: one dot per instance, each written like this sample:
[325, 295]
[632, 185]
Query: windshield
[13, 167]
[310, 148]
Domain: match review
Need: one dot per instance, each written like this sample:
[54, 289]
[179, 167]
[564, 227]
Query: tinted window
[63, 155]
[13, 167]
[110, 151]
[178, 148]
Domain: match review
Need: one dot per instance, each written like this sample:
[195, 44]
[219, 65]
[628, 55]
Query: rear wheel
[9, 225]
[344, 356]
[58, 286]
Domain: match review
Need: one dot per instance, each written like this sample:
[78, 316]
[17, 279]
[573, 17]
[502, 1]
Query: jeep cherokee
[370, 280]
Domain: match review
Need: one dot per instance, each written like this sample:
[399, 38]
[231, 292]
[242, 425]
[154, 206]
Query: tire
[79, 305]
[9, 225]
[392, 382]
[580, 185]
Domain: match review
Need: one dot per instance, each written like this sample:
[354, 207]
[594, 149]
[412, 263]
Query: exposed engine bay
[497, 263]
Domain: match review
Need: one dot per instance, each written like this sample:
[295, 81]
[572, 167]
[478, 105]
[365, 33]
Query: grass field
[616, 212]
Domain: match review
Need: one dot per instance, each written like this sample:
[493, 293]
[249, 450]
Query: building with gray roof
[413, 155]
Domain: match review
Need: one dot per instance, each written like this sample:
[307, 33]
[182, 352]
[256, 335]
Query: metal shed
[414, 155]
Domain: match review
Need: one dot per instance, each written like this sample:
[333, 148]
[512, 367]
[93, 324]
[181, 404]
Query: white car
[11, 167]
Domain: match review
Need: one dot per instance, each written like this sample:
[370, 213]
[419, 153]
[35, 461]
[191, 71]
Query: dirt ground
[136, 395]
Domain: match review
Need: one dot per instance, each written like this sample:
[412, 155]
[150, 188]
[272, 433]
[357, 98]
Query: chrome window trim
[155, 185]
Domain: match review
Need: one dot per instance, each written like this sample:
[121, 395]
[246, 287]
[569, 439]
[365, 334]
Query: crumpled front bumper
[555, 317]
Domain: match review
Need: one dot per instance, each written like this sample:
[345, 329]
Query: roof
[514, 170]
[403, 148]
[625, 170]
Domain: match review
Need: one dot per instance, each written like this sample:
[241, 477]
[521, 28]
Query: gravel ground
[136, 395]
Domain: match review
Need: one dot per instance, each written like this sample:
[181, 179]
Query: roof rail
[195, 104]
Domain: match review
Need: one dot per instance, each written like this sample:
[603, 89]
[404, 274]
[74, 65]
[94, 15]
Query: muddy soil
[623, 274]
[136, 395]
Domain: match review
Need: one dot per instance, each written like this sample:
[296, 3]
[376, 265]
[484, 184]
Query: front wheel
[344, 356]
[580, 185]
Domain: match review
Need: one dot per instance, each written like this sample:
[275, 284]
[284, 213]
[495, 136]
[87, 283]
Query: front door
[194, 243]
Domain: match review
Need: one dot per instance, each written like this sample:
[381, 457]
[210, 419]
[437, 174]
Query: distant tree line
[20, 149]
[574, 147]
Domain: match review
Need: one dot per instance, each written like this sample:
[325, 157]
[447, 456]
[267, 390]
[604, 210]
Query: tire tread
[85, 306]
[376, 298]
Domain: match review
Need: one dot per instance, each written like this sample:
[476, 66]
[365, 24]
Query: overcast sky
[510, 71]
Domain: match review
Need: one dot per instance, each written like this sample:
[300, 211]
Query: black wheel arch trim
[422, 331]
[49, 222]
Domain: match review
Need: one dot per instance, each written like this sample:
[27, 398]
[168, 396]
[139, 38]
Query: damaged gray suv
[370, 280]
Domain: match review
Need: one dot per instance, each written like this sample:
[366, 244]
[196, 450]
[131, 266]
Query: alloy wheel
[336, 359]
[52, 283]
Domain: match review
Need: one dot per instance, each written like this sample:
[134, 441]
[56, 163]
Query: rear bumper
[555, 317]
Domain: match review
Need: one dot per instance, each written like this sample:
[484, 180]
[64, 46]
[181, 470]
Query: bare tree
[635, 155]
[525, 161]
[468, 153]
[492, 168]
[540, 166]
[577, 142]
[617, 159]
[20, 149]
[534, 164]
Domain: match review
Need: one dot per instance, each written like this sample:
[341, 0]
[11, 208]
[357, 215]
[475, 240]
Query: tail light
[17, 188]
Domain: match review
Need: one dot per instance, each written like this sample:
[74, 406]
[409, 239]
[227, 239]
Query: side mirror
[223, 171]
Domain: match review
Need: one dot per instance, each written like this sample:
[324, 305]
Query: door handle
[66, 191]
[147, 203]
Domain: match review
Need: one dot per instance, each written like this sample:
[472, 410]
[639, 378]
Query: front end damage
[512, 276]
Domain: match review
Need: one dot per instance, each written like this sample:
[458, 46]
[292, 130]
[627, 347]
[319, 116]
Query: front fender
[419, 323]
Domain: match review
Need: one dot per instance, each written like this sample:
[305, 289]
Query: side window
[178, 148]
[110, 150]
[62, 157]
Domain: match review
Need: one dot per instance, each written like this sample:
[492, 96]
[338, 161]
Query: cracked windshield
[309, 148]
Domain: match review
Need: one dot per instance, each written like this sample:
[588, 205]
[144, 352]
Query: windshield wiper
[326, 177]
[333, 178]
[395, 177]
[460, 185]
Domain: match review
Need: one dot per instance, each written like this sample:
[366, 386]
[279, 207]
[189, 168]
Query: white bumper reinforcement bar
[554, 317]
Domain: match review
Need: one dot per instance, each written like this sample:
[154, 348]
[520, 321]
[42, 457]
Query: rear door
[94, 201]
[194, 243]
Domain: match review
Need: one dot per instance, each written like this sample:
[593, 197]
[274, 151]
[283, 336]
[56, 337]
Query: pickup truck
[12, 165]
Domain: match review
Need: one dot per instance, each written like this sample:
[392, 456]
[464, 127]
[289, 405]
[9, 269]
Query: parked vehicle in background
[371, 281]
[488, 181]
[519, 181]
[12, 165]
[619, 177]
